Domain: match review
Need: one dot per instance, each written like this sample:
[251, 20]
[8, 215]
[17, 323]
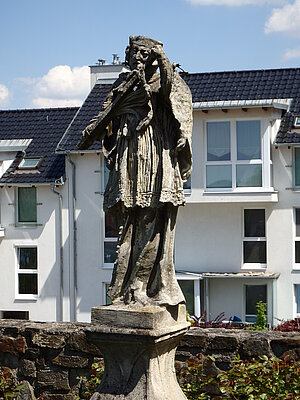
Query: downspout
[73, 310]
[61, 254]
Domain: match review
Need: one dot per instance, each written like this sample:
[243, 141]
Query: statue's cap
[143, 41]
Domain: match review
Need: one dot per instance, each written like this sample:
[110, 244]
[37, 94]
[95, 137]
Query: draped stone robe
[145, 185]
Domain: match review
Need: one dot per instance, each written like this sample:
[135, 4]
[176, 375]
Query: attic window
[297, 122]
[29, 163]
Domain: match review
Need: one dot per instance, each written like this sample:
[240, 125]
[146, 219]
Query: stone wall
[51, 356]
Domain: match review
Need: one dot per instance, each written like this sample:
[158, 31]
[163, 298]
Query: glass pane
[297, 211]
[110, 252]
[297, 166]
[218, 176]
[28, 258]
[29, 163]
[248, 140]
[255, 252]
[218, 141]
[254, 223]
[27, 204]
[28, 284]
[110, 227]
[297, 252]
[107, 298]
[297, 294]
[254, 294]
[187, 288]
[248, 175]
[187, 184]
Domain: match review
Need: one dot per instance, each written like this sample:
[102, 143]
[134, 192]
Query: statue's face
[138, 56]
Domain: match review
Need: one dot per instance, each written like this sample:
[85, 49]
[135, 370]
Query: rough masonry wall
[50, 356]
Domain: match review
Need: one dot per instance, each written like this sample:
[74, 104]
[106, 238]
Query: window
[254, 294]
[27, 212]
[187, 185]
[254, 241]
[107, 299]
[234, 155]
[27, 272]
[297, 235]
[297, 167]
[297, 298]
[187, 287]
[29, 163]
[110, 241]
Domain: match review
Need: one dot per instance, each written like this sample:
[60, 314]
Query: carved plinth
[139, 357]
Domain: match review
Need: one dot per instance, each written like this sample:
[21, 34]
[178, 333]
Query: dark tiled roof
[45, 127]
[88, 110]
[215, 86]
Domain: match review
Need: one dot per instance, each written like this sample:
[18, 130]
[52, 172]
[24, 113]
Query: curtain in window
[218, 141]
[248, 140]
[27, 204]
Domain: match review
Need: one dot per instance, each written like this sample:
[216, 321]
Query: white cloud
[48, 102]
[62, 86]
[233, 2]
[4, 94]
[285, 19]
[292, 53]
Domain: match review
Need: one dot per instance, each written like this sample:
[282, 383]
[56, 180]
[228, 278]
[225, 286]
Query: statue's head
[139, 50]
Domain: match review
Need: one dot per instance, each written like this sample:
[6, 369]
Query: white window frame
[105, 239]
[253, 266]
[18, 271]
[264, 161]
[245, 299]
[297, 314]
[197, 299]
[296, 266]
[296, 187]
[20, 223]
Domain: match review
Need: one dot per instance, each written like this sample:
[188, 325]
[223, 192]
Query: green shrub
[265, 379]
[9, 388]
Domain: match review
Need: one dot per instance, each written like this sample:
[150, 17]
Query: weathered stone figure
[145, 126]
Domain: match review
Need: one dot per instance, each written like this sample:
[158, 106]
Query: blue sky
[46, 45]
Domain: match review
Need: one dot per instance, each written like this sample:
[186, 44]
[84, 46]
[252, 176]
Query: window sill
[254, 267]
[207, 196]
[27, 225]
[108, 265]
[26, 298]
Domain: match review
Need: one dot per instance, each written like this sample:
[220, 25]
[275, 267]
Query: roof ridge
[242, 70]
[39, 109]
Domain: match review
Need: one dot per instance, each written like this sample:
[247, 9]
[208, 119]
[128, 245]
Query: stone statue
[145, 126]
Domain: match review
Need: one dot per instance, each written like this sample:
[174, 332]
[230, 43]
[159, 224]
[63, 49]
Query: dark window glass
[110, 252]
[28, 284]
[254, 223]
[110, 227]
[297, 166]
[297, 252]
[254, 294]
[188, 183]
[107, 298]
[27, 204]
[255, 252]
[187, 288]
[297, 294]
[28, 258]
[298, 222]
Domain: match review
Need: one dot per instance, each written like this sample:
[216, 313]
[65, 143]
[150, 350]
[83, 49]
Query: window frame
[245, 300]
[106, 239]
[249, 265]
[264, 161]
[296, 313]
[197, 290]
[25, 223]
[18, 270]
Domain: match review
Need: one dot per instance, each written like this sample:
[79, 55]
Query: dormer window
[29, 163]
[297, 122]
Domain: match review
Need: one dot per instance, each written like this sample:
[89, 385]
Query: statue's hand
[180, 144]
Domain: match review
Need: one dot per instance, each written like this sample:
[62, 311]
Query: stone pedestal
[138, 345]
